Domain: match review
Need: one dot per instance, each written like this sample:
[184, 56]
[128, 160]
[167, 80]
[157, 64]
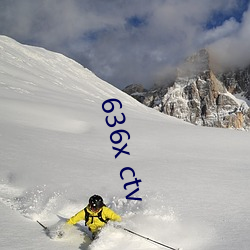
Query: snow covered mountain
[56, 151]
[237, 81]
[201, 96]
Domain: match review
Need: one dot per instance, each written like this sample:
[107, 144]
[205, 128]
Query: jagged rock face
[199, 97]
[204, 102]
[237, 81]
[137, 91]
[133, 88]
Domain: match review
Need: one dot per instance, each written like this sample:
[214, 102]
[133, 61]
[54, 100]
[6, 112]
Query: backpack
[99, 216]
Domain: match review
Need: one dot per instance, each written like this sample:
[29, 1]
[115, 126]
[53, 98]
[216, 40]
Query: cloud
[228, 28]
[233, 49]
[121, 41]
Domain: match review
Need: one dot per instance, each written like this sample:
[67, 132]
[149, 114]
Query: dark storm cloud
[132, 41]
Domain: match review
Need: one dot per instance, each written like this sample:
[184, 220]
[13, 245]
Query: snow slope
[56, 151]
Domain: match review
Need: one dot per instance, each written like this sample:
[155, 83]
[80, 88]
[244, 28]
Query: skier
[95, 214]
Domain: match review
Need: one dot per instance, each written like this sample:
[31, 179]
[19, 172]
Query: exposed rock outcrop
[199, 96]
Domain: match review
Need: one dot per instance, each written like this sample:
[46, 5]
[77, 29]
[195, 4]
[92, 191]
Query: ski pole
[150, 239]
[45, 228]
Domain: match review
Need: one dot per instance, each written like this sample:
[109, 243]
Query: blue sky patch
[136, 21]
[219, 17]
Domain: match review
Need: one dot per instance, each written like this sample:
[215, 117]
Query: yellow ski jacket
[94, 223]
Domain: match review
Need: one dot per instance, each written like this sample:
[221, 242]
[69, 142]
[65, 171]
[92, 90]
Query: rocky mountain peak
[200, 96]
[196, 64]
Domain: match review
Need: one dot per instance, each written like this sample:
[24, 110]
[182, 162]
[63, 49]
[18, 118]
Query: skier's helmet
[95, 202]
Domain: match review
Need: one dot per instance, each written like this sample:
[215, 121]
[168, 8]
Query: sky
[132, 41]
